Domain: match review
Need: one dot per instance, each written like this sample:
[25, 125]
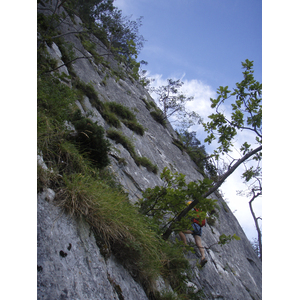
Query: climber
[197, 236]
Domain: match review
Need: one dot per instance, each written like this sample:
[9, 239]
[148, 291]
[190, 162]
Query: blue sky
[203, 43]
[205, 40]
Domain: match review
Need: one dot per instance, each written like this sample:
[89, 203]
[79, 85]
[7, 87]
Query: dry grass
[122, 229]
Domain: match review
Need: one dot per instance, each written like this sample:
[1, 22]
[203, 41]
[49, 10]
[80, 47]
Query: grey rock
[56, 54]
[48, 194]
[41, 162]
[69, 262]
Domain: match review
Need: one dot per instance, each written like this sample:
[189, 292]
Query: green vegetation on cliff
[77, 171]
[85, 188]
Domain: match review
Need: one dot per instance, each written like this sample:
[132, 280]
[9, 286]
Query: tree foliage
[89, 10]
[122, 33]
[163, 203]
[198, 153]
[246, 115]
[100, 18]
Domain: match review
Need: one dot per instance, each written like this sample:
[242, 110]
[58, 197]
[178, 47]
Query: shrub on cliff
[145, 162]
[126, 115]
[127, 144]
[158, 117]
[121, 139]
[90, 138]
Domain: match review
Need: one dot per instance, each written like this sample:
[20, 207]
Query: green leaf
[236, 237]
[245, 148]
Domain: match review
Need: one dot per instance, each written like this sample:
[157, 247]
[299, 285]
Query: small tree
[123, 36]
[246, 115]
[173, 103]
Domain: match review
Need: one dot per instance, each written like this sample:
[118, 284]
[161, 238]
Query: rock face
[70, 265]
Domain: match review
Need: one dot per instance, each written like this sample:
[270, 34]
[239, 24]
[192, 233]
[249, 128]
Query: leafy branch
[246, 114]
[211, 190]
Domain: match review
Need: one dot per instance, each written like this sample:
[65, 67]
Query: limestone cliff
[70, 265]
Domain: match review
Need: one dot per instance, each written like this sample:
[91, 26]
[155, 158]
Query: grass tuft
[90, 138]
[134, 126]
[121, 228]
[158, 117]
[127, 117]
[121, 110]
[127, 144]
[145, 162]
[120, 138]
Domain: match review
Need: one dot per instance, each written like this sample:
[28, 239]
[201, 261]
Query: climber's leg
[199, 245]
[182, 235]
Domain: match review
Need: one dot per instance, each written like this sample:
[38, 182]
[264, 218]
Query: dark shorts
[197, 229]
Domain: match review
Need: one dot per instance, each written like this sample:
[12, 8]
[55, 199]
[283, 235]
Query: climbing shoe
[203, 262]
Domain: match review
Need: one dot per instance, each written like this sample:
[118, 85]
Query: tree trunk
[256, 224]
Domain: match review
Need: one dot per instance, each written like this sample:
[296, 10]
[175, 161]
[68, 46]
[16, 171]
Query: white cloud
[158, 80]
[202, 94]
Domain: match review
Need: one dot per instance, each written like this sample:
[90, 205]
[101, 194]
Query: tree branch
[71, 32]
[240, 127]
[69, 62]
[255, 195]
[168, 232]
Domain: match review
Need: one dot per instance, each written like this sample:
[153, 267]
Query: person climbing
[196, 232]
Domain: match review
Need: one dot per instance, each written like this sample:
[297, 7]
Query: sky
[203, 43]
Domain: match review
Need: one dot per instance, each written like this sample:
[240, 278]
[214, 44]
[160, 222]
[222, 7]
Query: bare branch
[71, 32]
[256, 221]
[69, 62]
